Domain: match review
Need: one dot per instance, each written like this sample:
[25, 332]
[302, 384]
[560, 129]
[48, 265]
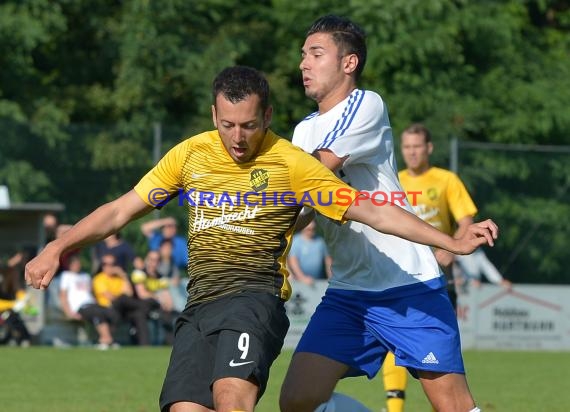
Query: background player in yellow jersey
[443, 200]
[244, 188]
[444, 203]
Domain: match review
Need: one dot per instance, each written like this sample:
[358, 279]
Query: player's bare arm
[329, 159]
[332, 162]
[107, 219]
[396, 221]
[445, 258]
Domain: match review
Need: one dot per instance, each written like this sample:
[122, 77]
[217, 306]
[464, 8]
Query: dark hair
[74, 258]
[348, 37]
[238, 82]
[418, 128]
[165, 241]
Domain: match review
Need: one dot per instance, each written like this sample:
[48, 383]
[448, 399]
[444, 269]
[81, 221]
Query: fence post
[453, 154]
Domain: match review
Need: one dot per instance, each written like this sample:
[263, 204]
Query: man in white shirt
[386, 293]
[78, 303]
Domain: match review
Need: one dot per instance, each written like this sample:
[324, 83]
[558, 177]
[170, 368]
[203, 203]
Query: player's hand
[507, 284]
[40, 270]
[477, 234]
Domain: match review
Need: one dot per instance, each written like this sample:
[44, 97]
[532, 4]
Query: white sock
[475, 409]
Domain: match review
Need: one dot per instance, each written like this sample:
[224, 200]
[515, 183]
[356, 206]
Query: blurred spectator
[50, 223]
[18, 262]
[471, 267]
[78, 303]
[114, 245]
[150, 284]
[12, 300]
[154, 288]
[178, 283]
[166, 265]
[309, 258]
[112, 289]
[159, 229]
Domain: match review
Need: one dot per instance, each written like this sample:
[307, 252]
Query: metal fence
[524, 188]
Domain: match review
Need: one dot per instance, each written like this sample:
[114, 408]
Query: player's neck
[337, 95]
[418, 171]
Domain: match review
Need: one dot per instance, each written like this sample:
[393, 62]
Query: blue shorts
[358, 328]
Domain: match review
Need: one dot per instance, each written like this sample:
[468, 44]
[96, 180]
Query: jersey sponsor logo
[430, 358]
[432, 193]
[427, 213]
[233, 364]
[227, 216]
[259, 179]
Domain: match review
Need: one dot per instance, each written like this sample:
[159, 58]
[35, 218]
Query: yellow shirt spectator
[105, 284]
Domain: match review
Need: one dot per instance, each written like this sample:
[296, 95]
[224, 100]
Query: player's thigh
[255, 327]
[311, 377]
[189, 372]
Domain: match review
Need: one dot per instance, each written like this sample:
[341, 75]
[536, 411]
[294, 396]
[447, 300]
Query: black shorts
[235, 336]
[97, 314]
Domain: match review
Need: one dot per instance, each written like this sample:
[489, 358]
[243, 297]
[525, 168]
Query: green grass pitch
[76, 380]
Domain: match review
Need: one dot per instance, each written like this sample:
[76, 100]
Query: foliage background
[82, 82]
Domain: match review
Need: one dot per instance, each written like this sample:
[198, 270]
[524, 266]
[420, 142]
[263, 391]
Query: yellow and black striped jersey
[242, 215]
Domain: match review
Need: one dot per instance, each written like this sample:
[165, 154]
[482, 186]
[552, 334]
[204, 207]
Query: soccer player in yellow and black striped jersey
[244, 187]
[242, 212]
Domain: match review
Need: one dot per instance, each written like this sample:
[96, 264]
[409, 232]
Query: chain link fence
[524, 188]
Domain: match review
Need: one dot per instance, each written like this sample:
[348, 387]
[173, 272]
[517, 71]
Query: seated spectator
[151, 286]
[112, 289]
[114, 245]
[309, 258]
[78, 303]
[159, 229]
[12, 300]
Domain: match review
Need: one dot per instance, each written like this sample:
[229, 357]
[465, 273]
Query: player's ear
[267, 116]
[430, 147]
[214, 116]
[350, 63]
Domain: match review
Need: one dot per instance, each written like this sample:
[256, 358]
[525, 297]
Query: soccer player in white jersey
[386, 294]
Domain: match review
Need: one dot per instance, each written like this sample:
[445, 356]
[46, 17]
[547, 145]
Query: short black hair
[349, 37]
[238, 82]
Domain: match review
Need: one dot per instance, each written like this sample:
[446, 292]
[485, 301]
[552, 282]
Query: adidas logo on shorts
[430, 358]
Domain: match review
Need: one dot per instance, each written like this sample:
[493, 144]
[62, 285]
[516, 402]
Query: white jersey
[78, 287]
[363, 259]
